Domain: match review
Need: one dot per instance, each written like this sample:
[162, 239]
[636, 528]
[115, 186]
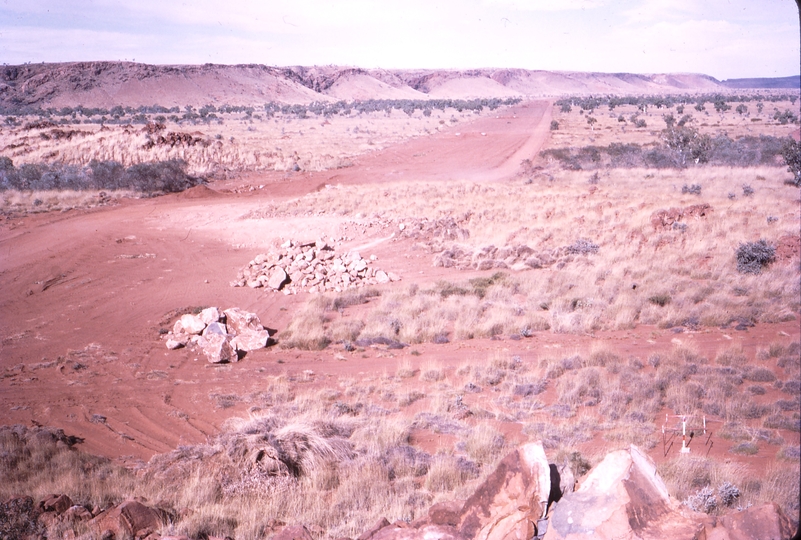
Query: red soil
[93, 288]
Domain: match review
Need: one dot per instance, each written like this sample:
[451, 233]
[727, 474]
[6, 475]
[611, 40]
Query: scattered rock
[173, 344]
[216, 328]
[371, 532]
[295, 532]
[312, 267]
[667, 219]
[788, 248]
[222, 333]
[55, 503]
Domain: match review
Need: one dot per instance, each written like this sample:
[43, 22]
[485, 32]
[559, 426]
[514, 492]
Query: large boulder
[130, 519]
[247, 329]
[511, 500]
[370, 533]
[209, 315]
[217, 348]
[191, 324]
[250, 340]
[238, 321]
[400, 531]
[295, 532]
[766, 522]
[76, 514]
[277, 279]
[622, 497]
[55, 503]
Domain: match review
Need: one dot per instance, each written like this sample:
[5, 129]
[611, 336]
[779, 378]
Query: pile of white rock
[313, 267]
[220, 335]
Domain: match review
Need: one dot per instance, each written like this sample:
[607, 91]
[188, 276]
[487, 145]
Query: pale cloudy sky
[722, 38]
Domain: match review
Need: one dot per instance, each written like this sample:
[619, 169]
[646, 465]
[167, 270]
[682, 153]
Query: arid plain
[541, 257]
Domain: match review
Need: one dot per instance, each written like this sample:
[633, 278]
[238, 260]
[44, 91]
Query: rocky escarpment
[104, 84]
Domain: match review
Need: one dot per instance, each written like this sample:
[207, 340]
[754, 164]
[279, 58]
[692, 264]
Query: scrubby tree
[791, 153]
[753, 257]
[688, 143]
[554, 125]
[591, 121]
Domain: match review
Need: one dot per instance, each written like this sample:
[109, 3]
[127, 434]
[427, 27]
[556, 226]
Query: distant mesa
[106, 84]
[771, 83]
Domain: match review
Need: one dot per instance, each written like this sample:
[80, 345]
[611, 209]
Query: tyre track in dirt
[111, 276]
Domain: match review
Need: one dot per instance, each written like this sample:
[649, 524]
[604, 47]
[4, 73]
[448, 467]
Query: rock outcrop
[313, 267]
[511, 500]
[766, 522]
[622, 497]
[220, 336]
[131, 519]
[506, 506]
[663, 220]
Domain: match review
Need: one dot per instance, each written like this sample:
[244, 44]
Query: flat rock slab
[622, 497]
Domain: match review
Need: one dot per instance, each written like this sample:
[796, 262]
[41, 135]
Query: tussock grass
[641, 274]
[237, 143]
[339, 458]
[16, 201]
[484, 444]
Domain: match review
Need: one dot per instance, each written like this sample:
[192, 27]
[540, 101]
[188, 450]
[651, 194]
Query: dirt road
[83, 295]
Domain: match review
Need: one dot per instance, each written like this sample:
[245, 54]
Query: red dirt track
[83, 295]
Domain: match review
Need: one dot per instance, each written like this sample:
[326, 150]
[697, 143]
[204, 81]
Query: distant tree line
[680, 147]
[720, 102]
[409, 106]
[157, 177]
[207, 113]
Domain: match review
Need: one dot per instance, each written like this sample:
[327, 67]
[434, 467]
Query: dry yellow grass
[575, 131]
[13, 201]
[351, 441]
[693, 269]
[346, 450]
[239, 143]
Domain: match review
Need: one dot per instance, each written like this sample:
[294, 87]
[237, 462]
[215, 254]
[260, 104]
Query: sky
[722, 38]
